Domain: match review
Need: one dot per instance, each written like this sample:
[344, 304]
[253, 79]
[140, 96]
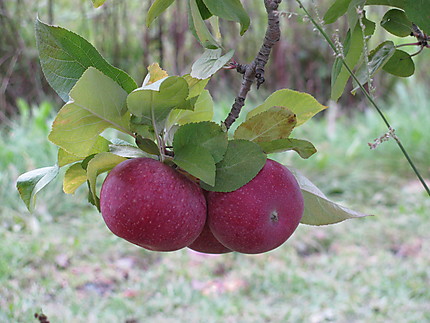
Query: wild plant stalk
[318, 26]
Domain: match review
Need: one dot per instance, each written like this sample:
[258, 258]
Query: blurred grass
[63, 261]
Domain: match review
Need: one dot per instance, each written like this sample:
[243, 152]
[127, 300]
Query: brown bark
[255, 70]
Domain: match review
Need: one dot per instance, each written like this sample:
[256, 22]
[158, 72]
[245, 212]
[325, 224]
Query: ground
[63, 261]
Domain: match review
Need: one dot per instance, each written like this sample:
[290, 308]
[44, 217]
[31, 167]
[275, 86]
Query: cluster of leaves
[168, 118]
[398, 21]
[200, 11]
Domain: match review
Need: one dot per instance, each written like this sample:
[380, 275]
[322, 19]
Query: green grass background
[63, 261]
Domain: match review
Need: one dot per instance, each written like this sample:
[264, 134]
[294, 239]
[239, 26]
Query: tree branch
[255, 70]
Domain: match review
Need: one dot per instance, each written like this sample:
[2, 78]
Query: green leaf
[303, 105]
[128, 151]
[319, 210]
[353, 49]
[396, 23]
[352, 15]
[336, 10]
[229, 10]
[242, 162]
[400, 64]
[203, 111]
[342, 7]
[197, 161]
[97, 103]
[74, 177]
[30, 183]
[304, 148]
[198, 26]
[377, 59]
[272, 124]
[187, 104]
[65, 56]
[369, 27]
[98, 3]
[101, 163]
[204, 11]
[391, 3]
[209, 63]
[65, 158]
[195, 85]
[418, 11]
[207, 135]
[147, 145]
[153, 103]
[139, 126]
[158, 7]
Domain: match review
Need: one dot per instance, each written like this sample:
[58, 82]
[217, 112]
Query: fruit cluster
[156, 207]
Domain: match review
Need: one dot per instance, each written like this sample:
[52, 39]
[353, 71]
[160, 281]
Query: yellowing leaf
[98, 3]
[74, 177]
[303, 105]
[155, 73]
[97, 103]
[275, 123]
[65, 158]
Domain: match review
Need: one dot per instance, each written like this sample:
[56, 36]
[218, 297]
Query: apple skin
[152, 205]
[207, 243]
[259, 216]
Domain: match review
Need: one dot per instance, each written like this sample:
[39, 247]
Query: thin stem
[158, 137]
[408, 44]
[368, 96]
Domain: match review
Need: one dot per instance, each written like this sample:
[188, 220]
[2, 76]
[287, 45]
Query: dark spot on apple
[274, 216]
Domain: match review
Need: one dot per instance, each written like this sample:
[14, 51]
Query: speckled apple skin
[207, 243]
[152, 205]
[243, 220]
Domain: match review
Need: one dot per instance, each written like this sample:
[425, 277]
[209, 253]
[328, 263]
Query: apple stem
[255, 70]
[162, 148]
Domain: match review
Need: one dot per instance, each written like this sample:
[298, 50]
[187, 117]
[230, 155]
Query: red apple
[259, 216]
[207, 243]
[152, 205]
